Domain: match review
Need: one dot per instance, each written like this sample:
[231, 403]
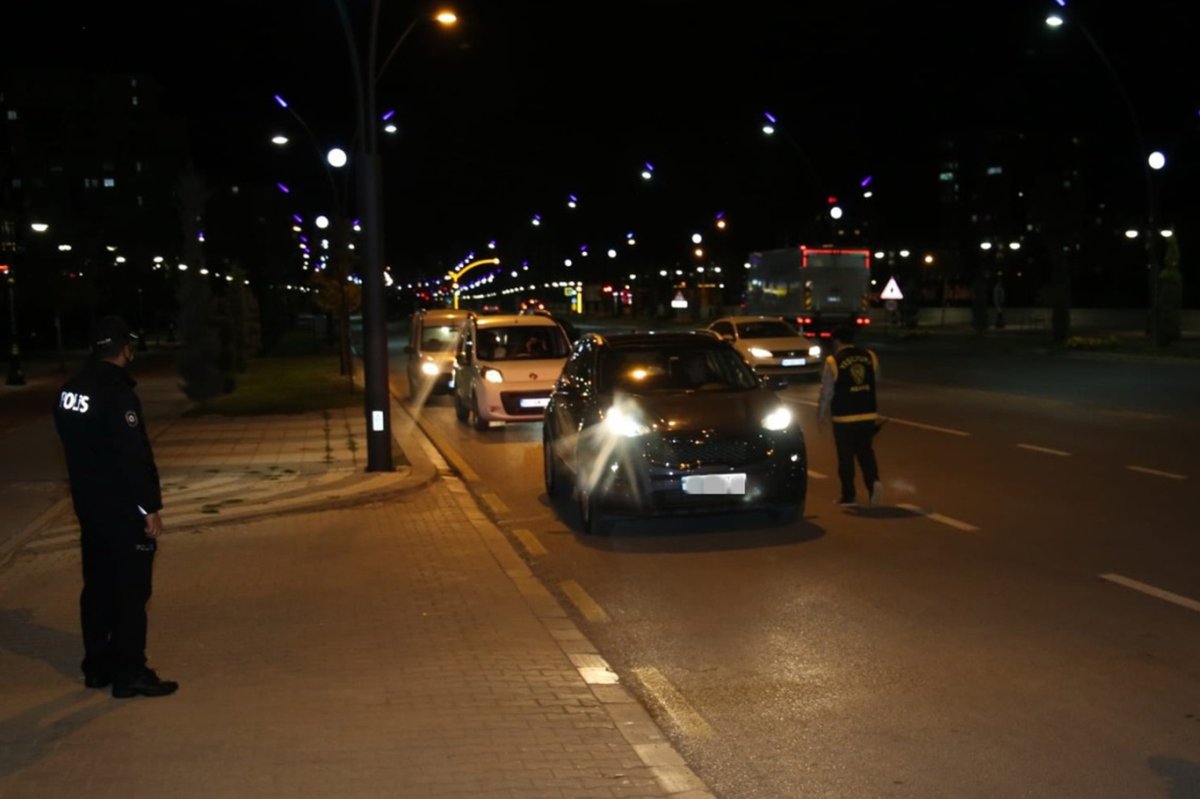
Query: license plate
[714, 484]
[535, 402]
[794, 361]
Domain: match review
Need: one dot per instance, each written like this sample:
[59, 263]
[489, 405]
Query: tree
[335, 294]
[199, 321]
[1170, 296]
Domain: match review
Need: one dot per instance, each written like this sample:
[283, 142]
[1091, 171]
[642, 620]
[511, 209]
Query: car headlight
[624, 424]
[814, 351]
[493, 376]
[759, 352]
[429, 368]
[778, 419]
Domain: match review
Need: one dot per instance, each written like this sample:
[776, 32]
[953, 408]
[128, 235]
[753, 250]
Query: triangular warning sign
[891, 291]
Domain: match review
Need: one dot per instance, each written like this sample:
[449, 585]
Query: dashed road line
[948, 430]
[590, 609]
[690, 722]
[1047, 450]
[530, 542]
[937, 517]
[1158, 593]
[1157, 473]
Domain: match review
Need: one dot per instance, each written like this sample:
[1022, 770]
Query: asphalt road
[1021, 619]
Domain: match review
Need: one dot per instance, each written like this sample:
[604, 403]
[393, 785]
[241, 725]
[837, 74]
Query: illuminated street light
[1055, 21]
[366, 73]
[336, 158]
[647, 171]
[1156, 161]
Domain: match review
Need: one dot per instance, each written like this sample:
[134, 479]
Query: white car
[505, 367]
[771, 344]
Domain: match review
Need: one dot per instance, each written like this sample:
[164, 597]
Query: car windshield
[522, 342]
[650, 369]
[438, 338]
[768, 329]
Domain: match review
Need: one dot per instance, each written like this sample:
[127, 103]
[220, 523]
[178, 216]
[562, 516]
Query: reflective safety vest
[854, 385]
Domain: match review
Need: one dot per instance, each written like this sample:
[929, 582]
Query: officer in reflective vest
[117, 497]
[848, 400]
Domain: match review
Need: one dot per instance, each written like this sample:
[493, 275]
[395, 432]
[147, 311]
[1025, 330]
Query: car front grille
[699, 450]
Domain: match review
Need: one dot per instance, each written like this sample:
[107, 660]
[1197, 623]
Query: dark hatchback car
[658, 423]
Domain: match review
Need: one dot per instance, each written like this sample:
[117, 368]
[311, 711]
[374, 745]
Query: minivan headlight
[430, 368]
[493, 376]
[778, 419]
[759, 352]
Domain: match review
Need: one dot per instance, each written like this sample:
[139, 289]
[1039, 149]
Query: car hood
[703, 410]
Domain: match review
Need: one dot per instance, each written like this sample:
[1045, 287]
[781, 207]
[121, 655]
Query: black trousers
[118, 562]
[853, 441]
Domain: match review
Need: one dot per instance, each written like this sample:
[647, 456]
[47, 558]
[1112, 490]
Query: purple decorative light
[283, 188]
[770, 117]
[388, 115]
[297, 219]
[282, 102]
[865, 182]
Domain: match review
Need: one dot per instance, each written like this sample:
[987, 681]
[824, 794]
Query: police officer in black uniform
[115, 488]
[848, 400]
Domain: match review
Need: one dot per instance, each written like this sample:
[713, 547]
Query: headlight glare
[814, 351]
[759, 352]
[493, 376]
[429, 368]
[624, 424]
[778, 419]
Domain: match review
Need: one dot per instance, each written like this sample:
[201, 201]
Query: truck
[817, 288]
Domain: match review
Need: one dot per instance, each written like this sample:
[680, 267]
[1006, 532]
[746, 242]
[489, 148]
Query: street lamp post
[370, 185]
[1056, 20]
[15, 376]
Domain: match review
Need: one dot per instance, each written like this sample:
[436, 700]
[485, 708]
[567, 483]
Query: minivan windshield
[649, 369]
[521, 342]
[438, 338]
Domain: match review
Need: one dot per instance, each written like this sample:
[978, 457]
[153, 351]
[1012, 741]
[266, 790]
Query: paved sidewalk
[335, 633]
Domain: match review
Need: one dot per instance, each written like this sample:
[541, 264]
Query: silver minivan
[430, 349]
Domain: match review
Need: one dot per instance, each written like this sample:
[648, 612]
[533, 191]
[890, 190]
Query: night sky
[526, 102]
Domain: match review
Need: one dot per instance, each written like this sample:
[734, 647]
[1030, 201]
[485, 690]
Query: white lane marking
[1159, 593]
[818, 475]
[1046, 450]
[530, 542]
[948, 430]
[1134, 415]
[1157, 473]
[589, 607]
[690, 723]
[594, 669]
[495, 503]
[937, 517]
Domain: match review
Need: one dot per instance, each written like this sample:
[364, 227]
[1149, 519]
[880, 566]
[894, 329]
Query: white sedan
[771, 344]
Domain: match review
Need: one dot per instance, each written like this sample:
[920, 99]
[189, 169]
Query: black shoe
[96, 679]
[847, 502]
[145, 684]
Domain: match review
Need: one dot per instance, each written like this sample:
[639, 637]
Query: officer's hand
[154, 525]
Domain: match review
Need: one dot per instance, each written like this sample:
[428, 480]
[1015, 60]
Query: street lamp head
[39, 227]
[1157, 160]
[1055, 21]
[336, 158]
[446, 18]
[279, 139]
